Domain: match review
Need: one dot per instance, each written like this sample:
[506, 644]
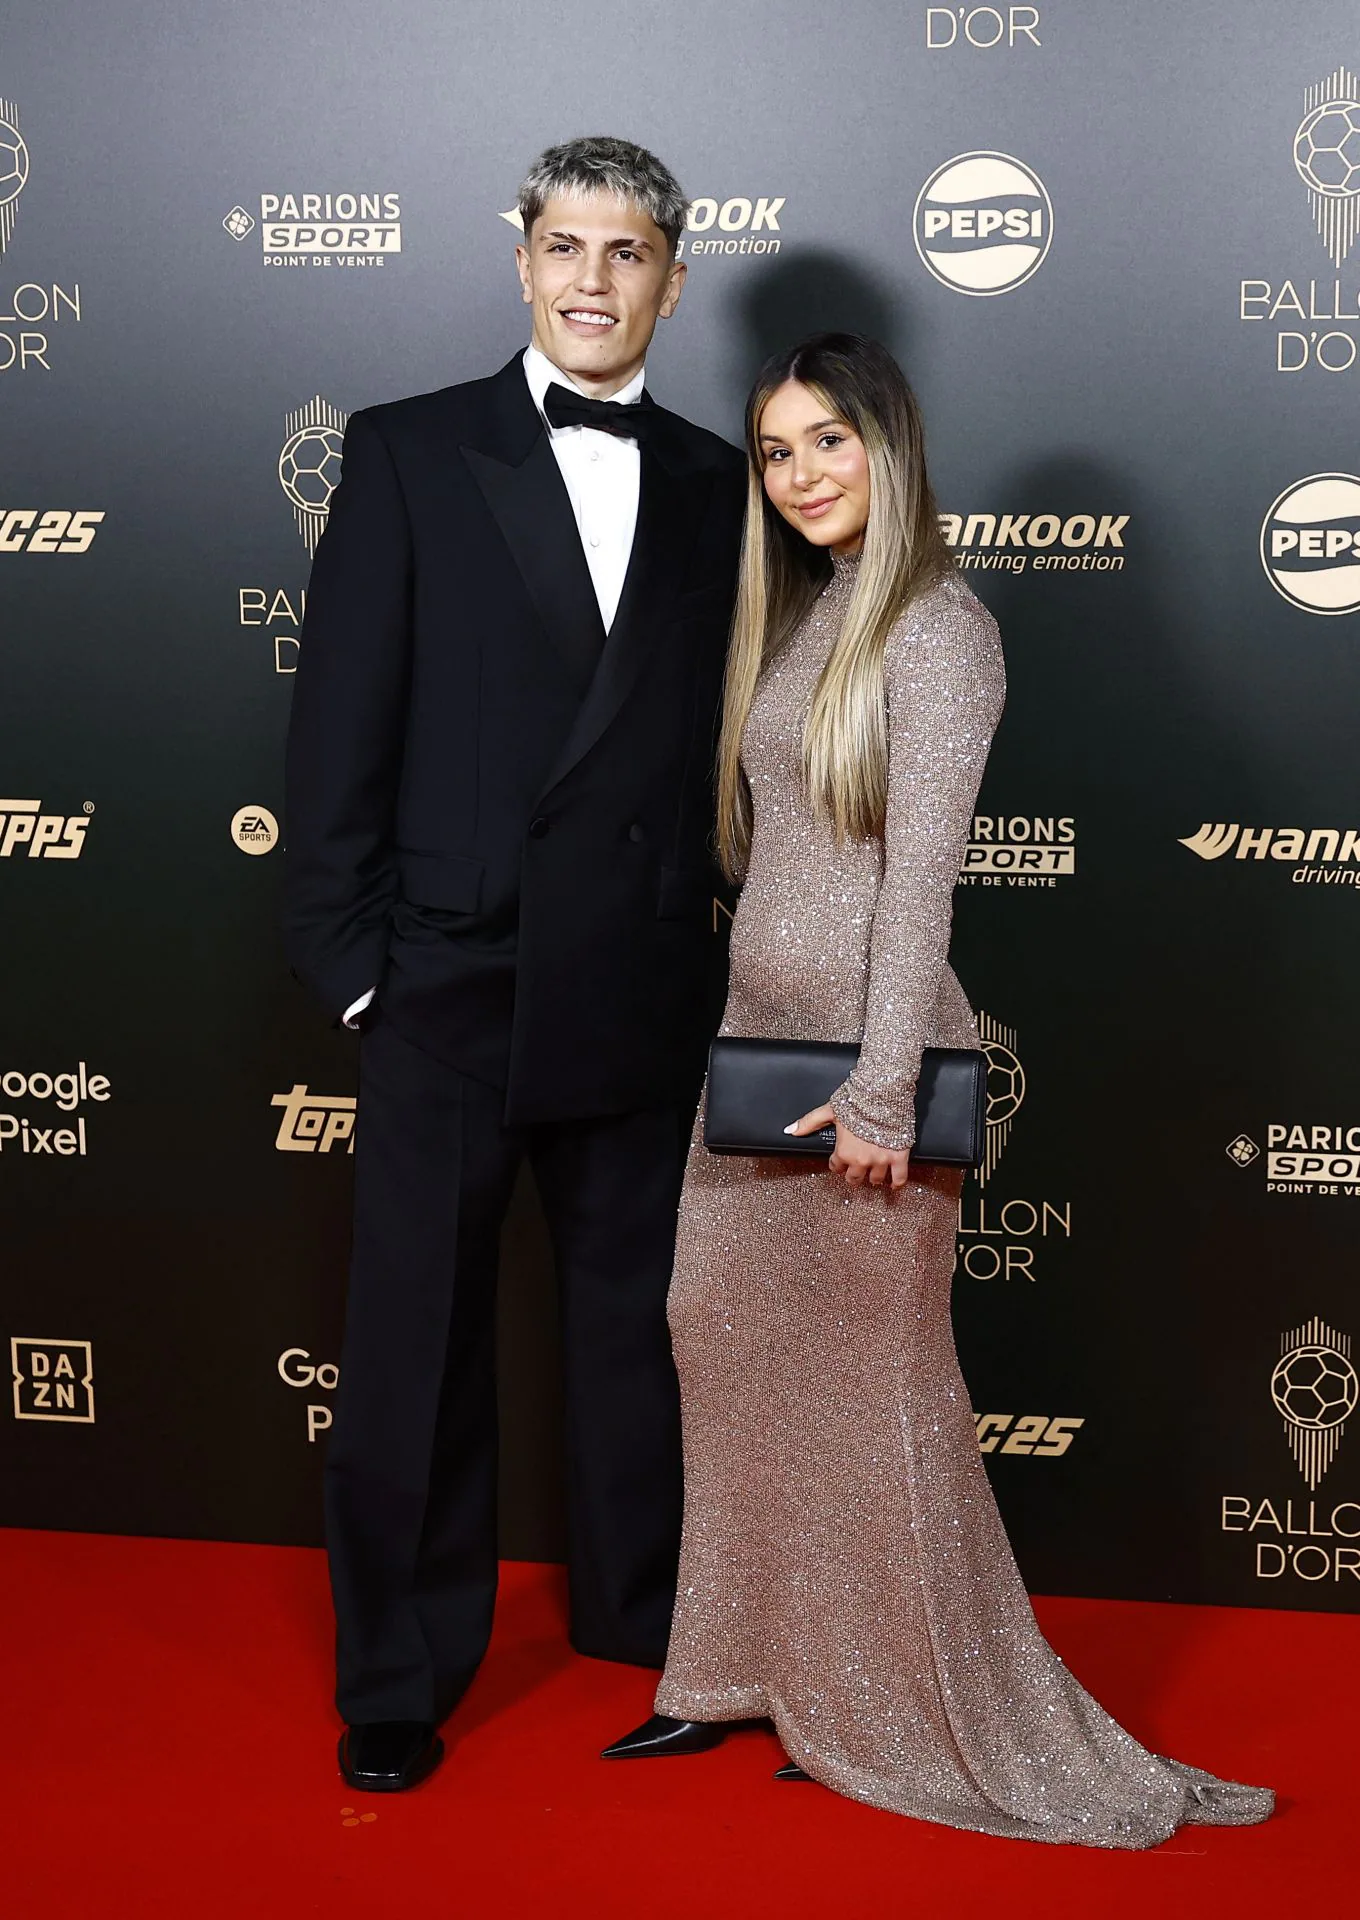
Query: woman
[844, 1569]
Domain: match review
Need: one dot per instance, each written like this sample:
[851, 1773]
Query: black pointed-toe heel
[791, 1771]
[662, 1738]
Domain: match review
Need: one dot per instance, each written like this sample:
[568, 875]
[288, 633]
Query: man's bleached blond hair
[599, 164]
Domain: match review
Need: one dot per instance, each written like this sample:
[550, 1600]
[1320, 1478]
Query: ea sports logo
[309, 465]
[1310, 543]
[254, 829]
[983, 223]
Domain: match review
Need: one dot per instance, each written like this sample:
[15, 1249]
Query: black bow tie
[567, 409]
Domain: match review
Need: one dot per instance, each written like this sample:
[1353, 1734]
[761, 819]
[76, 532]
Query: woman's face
[815, 468]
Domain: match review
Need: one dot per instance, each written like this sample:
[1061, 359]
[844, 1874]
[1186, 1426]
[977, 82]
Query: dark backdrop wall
[1116, 248]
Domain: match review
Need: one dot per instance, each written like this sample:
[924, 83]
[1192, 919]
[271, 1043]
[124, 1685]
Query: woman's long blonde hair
[845, 739]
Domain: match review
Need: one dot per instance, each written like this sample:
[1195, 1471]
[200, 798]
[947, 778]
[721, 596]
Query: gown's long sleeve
[945, 685]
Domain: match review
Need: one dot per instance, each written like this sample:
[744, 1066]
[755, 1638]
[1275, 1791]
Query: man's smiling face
[598, 275]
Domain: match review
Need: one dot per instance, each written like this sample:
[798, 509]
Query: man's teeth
[593, 319]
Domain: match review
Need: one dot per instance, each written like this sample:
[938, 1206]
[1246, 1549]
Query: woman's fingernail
[792, 1127]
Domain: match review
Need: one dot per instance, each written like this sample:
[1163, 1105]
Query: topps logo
[314, 1122]
[330, 223]
[30, 530]
[47, 836]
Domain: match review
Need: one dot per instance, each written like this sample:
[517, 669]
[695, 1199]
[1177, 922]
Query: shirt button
[635, 833]
[538, 828]
[594, 453]
[594, 539]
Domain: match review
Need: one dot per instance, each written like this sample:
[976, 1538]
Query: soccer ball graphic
[1327, 149]
[309, 467]
[1314, 1387]
[13, 163]
[1005, 1083]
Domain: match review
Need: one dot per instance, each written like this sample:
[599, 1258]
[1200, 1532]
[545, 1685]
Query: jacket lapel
[671, 505]
[523, 488]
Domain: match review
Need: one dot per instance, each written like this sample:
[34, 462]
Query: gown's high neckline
[845, 566]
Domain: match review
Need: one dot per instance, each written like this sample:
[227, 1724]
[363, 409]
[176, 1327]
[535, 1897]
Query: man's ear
[522, 262]
[675, 281]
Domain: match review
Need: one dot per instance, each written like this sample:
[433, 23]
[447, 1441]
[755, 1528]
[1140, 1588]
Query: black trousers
[411, 1464]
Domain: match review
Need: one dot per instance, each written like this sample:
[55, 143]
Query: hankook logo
[1316, 856]
[742, 223]
[983, 223]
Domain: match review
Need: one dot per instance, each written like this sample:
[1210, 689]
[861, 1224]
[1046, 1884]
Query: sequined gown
[844, 1570]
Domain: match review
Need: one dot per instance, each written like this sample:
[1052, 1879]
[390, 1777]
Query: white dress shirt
[602, 473]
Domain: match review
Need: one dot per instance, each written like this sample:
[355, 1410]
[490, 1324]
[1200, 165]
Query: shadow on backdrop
[1124, 1014]
[814, 291]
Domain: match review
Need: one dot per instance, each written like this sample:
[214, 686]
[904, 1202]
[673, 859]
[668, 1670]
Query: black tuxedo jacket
[496, 814]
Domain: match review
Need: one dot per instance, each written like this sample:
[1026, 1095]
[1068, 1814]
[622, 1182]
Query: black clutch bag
[757, 1087]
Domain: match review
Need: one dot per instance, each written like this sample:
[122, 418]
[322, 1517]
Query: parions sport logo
[1313, 1389]
[1326, 160]
[1310, 543]
[999, 1238]
[1311, 856]
[13, 169]
[322, 229]
[983, 223]
[309, 465]
[738, 224]
[1320, 1159]
[1019, 850]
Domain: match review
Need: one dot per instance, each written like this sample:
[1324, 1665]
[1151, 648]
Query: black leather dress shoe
[661, 1738]
[388, 1756]
[791, 1771]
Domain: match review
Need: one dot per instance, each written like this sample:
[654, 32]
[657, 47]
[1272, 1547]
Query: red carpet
[168, 1740]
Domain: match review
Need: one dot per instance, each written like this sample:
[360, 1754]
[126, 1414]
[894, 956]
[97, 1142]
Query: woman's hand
[857, 1159]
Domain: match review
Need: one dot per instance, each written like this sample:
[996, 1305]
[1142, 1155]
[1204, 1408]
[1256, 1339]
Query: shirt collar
[540, 372]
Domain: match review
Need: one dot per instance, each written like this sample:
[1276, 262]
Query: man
[499, 808]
